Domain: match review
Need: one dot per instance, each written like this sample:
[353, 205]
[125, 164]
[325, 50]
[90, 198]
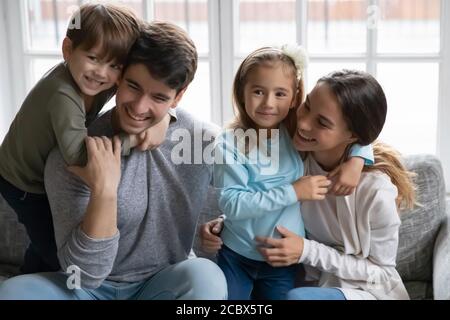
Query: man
[131, 239]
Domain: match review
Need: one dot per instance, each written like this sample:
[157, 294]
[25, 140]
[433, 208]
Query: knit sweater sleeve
[68, 197]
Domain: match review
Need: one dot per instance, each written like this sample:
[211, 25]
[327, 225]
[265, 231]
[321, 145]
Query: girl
[352, 241]
[258, 192]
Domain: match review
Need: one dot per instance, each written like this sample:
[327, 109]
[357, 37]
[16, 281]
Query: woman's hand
[209, 235]
[102, 171]
[281, 252]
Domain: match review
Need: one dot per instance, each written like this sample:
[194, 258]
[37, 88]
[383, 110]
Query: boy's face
[91, 74]
[141, 100]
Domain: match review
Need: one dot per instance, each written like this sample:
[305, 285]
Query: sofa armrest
[441, 261]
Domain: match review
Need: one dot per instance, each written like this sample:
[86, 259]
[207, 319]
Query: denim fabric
[192, 279]
[315, 293]
[33, 211]
[251, 279]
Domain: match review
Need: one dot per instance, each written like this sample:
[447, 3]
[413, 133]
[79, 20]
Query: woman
[351, 244]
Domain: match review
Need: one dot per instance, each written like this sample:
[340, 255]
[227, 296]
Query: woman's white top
[352, 241]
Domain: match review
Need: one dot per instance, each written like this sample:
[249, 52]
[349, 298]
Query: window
[404, 43]
[46, 22]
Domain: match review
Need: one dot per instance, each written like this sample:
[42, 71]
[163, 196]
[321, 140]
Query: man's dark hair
[168, 53]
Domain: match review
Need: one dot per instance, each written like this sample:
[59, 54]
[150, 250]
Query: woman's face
[320, 122]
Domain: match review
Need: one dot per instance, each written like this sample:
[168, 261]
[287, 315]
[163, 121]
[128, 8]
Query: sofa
[423, 259]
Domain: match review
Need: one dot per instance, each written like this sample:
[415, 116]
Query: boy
[56, 113]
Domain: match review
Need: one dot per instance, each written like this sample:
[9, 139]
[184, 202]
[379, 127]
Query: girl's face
[320, 123]
[268, 95]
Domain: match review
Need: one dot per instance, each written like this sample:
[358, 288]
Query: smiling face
[141, 100]
[320, 123]
[91, 74]
[268, 95]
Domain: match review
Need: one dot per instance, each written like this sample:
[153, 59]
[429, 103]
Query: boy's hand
[346, 176]
[311, 187]
[152, 137]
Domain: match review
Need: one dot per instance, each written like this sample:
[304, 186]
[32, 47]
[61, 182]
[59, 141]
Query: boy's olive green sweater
[53, 114]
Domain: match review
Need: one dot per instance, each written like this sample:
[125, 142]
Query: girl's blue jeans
[251, 279]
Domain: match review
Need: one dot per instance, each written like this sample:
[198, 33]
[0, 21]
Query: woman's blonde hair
[264, 56]
[388, 160]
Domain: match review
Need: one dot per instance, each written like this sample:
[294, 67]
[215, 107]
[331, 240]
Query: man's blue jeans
[191, 279]
[33, 211]
[251, 279]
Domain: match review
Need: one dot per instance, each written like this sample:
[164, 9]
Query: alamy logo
[373, 17]
[252, 146]
[75, 17]
[374, 282]
[74, 280]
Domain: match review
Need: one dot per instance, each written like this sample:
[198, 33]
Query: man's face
[141, 100]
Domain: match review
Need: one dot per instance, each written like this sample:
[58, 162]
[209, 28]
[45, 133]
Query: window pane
[39, 67]
[411, 125]
[265, 22]
[197, 99]
[47, 21]
[411, 26]
[317, 70]
[191, 15]
[337, 26]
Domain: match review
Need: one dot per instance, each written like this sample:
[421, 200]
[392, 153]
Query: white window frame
[223, 17]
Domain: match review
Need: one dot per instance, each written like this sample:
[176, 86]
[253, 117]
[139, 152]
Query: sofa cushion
[419, 290]
[13, 238]
[420, 226]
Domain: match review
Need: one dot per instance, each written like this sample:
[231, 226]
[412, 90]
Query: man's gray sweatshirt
[159, 203]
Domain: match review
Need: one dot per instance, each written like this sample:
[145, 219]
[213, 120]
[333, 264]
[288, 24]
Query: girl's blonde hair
[388, 161]
[264, 56]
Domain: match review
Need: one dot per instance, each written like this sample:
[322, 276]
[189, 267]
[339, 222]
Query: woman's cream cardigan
[358, 254]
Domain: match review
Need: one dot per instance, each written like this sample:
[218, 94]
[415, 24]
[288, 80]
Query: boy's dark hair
[114, 28]
[168, 53]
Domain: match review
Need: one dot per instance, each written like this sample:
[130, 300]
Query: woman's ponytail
[388, 161]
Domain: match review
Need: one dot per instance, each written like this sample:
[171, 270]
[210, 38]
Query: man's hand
[281, 252]
[102, 175]
[209, 235]
[311, 187]
[102, 171]
[346, 176]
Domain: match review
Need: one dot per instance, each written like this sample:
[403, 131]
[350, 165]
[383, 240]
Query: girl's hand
[209, 235]
[153, 137]
[346, 176]
[102, 171]
[311, 187]
[281, 252]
